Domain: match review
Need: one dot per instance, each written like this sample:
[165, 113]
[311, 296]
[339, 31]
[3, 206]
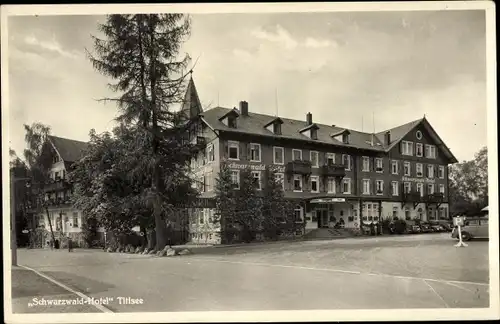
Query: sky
[360, 70]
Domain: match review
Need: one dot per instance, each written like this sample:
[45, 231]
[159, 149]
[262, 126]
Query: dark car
[425, 228]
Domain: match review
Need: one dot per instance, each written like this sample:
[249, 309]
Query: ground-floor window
[370, 212]
[407, 214]
[395, 210]
[420, 214]
[298, 214]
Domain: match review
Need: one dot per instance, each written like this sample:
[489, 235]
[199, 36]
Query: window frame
[377, 182]
[328, 181]
[316, 178]
[282, 155]
[395, 184]
[417, 145]
[311, 153]
[381, 160]
[251, 149]
[363, 182]
[330, 156]
[238, 182]
[441, 172]
[407, 148]
[282, 176]
[259, 179]
[417, 165]
[365, 159]
[405, 163]
[395, 163]
[233, 144]
[348, 157]
[346, 181]
[299, 177]
[293, 155]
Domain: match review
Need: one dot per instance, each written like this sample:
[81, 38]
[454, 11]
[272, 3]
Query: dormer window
[230, 118]
[277, 128]
[231, 122]
[345, 138]
[342, 136]
[314, 133]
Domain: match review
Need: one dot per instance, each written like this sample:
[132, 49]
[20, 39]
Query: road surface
[419, 271]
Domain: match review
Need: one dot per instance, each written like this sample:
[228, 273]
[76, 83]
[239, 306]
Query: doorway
[322, 218]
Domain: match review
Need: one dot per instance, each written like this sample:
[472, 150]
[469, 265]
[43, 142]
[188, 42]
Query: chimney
[387, 138]
[244, 108]
[309, 118]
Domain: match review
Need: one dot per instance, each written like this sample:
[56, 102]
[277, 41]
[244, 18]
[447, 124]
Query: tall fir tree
[141, 53]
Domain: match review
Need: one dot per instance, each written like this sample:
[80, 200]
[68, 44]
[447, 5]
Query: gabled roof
[274, 120]
[343, 131]
[69, 150]
[233, 111]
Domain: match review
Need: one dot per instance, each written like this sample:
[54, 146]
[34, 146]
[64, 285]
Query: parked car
[413, 229]
[476, 227]
[425, 228]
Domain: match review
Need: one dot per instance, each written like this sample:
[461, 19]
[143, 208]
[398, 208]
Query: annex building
[333, 174]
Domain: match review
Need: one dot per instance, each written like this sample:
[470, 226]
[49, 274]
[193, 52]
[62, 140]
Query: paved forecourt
[375, 273]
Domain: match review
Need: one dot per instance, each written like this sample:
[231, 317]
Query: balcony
[333, 170]
[56, 185]
[299, 167]
[58, 201]
[435, 198]
[412, 197]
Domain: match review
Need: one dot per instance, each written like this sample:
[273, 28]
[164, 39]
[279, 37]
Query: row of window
[56, 219]
[279, 159]
[419, 149]
[345, 186]
[432, 213]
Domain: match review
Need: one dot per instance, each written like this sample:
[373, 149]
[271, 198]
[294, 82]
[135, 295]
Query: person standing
[70, 244]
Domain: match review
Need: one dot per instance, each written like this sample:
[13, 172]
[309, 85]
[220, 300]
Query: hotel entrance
[322, 215]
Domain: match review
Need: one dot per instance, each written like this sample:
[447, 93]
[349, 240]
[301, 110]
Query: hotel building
[332, 173]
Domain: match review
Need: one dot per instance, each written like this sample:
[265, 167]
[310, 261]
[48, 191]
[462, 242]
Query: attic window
[345, 138]
[277, 128]
[231, 122]
[314, 133]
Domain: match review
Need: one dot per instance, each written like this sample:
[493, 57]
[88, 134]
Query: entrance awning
[485, 208]
[327, 200]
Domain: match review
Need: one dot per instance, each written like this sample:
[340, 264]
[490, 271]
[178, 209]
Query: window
[211, 153]
[420, 189]
[395, 188]
[314, 184]
[419, 149]
[346, 186]
[379, 165]
[366, 164]
[330, 158]
[314, 133]
[407, 214]
[430, 188]
[256, 180]
[298, 214]
[430, 151]
[346, 160]
[297, 155]
[233, 149]
[75, 219]
[406, 148]
[280, 178]
[380, 187]
[231, 122]
[394, 167]
[366, 186]
[254, 152]
[441, 172]
[394, 211]
[209, 181]
[407, 187]
[235, 178]
[279, 155]
[297, 182]
[331, 185]
[314, 159]
[420, 172]
[430, 171]
[419, 135]
[407, 169]
[277, 128]
[441, 188]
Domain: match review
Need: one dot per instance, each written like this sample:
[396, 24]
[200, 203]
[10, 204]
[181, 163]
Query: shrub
[399, 226]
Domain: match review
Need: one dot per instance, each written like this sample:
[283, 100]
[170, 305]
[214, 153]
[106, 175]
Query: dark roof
[191, 105]
[69, 150]
[256, 123]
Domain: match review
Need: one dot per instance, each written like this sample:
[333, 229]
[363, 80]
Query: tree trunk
[144, 238]
[151, 244]
[50, 226]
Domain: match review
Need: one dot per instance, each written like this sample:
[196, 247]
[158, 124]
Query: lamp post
[13, 234]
